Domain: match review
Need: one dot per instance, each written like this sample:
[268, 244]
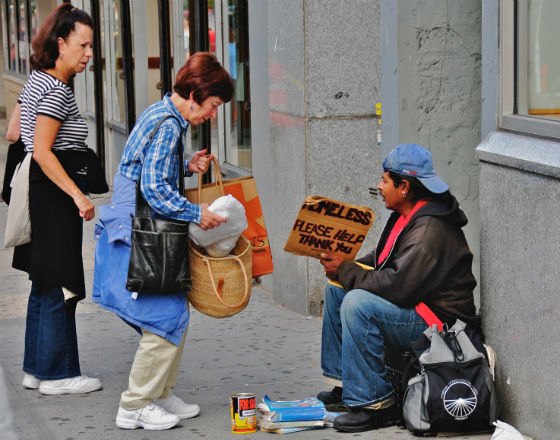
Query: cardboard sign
[326, 225]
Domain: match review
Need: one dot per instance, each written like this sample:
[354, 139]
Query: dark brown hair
[58, 24]
[203, 75]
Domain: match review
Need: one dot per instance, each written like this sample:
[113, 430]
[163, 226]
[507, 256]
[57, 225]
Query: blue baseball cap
[415, 161]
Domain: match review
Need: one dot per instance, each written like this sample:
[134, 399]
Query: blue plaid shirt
[158, 161]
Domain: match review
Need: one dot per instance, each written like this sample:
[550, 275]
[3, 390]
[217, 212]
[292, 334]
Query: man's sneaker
[71, 385]
[151, 417]
[175, 405]
[361, 419]
[29, 381]
[333, 400]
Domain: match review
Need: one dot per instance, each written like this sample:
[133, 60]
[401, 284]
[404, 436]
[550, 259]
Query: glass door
[232, 49]
[228, 39]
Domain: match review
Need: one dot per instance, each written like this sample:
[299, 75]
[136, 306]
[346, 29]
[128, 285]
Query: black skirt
[53, 258]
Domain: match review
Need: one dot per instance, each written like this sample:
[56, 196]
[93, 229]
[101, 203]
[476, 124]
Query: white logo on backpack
[459, 398]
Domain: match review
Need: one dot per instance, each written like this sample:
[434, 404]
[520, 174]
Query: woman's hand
[199, 162]
[330, 262]
[87, 209]
[209, 219]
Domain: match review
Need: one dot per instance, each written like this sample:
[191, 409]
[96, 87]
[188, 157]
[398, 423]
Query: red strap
[427, 315]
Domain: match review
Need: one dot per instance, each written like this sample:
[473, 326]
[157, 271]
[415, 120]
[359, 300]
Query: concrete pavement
[263, 350]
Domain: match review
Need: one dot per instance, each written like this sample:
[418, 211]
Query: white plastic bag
[222, 248]
[221, 239]
[506, 432]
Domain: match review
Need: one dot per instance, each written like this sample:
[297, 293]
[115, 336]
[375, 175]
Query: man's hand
[330, 262]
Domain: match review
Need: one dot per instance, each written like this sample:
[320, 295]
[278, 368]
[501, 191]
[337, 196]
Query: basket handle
[217, 179]
[219, 291]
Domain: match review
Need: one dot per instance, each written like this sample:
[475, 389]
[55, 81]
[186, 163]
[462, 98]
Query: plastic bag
[506, 432]
[223, 247]
[221, 239]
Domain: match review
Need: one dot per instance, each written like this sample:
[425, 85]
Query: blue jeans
[357, 325]
[51, 343]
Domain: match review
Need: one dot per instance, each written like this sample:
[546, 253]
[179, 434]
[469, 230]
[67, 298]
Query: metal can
[243, 413]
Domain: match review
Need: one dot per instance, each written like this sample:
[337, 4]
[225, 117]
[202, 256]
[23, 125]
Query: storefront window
[21, 16]
[119, 111]
[12, 34]
[530, 67]
[22, 39]
[236, 58]
[538, 93]
[228, 36]
[186, 28]
[33, 19]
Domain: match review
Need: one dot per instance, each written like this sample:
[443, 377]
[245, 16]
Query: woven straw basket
[221, 287]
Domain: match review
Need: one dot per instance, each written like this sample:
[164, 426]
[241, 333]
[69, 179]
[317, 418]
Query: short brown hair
[58, 24]
[203, 75]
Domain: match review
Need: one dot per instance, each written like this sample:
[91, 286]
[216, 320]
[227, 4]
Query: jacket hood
[448, 211]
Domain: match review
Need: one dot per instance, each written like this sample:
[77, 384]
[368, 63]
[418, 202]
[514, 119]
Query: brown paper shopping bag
[243, 189]
[327, 225]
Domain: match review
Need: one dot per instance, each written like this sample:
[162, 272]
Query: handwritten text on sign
[322, 228]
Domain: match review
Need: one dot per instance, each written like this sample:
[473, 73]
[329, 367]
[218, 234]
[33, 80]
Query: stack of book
[287, 416]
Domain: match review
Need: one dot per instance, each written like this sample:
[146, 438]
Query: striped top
[46, 95]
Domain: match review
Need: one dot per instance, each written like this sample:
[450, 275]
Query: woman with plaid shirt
[202, 85]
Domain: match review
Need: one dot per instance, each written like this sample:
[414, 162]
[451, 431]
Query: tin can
[243, 413]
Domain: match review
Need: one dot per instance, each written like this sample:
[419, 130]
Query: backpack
[449, 384]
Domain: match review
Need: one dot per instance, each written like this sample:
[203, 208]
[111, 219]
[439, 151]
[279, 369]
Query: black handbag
[159, 257]
[16, 153]
[95, 177]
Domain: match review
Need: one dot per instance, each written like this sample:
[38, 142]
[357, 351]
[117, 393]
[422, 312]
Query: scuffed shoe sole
[62, 390]
[134, 424]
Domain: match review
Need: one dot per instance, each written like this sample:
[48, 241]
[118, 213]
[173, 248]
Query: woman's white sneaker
[29, 381]
[151, 417]
[71, 385]
[175, 405]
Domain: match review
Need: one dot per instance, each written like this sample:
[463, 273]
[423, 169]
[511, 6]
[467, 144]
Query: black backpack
[449, 386]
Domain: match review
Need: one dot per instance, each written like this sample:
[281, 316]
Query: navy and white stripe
[46, 95]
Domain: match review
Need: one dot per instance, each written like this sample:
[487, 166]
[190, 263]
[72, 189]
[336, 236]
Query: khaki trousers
[154, 371]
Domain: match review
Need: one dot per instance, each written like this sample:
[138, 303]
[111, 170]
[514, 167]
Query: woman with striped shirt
[53, 130]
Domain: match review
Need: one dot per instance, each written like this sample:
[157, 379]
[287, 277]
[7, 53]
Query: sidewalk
[263, 350]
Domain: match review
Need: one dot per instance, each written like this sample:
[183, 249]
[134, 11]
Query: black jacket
[430, 262]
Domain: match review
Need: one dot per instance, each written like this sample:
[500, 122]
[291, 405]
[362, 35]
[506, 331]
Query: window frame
[511, 77]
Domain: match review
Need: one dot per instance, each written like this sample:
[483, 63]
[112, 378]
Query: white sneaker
[29, 381]
[151, 417]
[175, 405]
[71, 385]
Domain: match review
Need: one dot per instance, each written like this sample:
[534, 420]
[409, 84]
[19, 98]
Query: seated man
[422, 257]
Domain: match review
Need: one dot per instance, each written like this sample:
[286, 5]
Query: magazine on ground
[292, 410]
[289, 430]
[266, 424]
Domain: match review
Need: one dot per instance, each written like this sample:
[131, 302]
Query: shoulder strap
[142, 207]
[427, 315]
